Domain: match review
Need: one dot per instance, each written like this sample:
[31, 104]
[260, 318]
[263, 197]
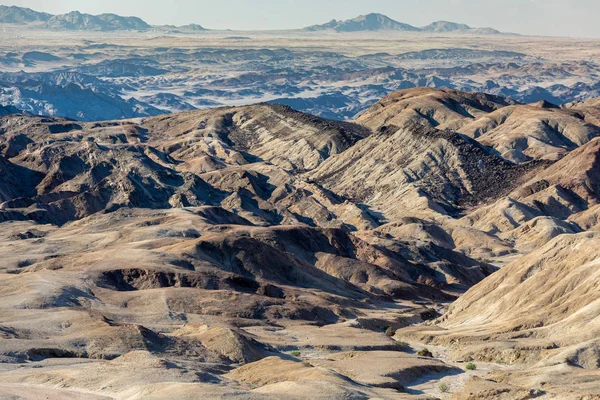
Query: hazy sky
[539, 17]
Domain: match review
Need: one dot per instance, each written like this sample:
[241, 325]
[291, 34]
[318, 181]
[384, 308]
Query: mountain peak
[192, 27]
[446, 26]
[378, 16]
[368, 22]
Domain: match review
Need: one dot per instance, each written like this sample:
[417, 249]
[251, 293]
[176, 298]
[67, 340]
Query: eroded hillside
[258, 252]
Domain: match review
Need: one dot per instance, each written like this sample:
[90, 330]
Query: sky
[573, 18]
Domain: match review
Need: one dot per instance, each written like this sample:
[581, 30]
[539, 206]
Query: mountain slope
[20, 15]
[14, 181]
[550, 293]
[278, 134]
[562, 190]
[404, 171]
[440, 108]
[5, 110]
[538, 313]
[244, 159]
[522, 133]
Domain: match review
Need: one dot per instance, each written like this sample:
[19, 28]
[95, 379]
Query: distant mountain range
[77, 21]
[19, 15]
[104, 22]
[73, 21]
[379, 22]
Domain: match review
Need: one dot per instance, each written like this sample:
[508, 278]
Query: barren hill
[522, 133]
[538, 312]
[430, 107]
[427, 168]
[265, 252]
[176, 161]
